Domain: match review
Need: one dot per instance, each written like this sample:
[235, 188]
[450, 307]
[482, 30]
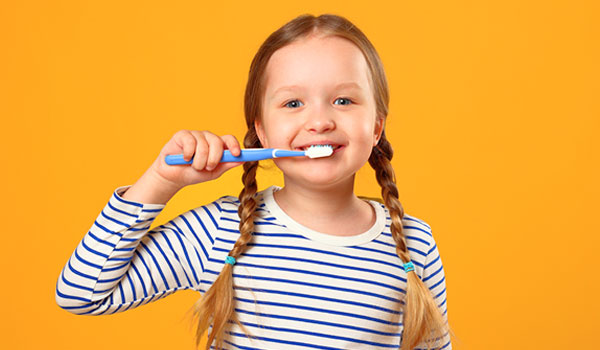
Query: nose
[320, 121]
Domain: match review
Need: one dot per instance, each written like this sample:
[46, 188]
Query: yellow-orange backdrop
[494, 104]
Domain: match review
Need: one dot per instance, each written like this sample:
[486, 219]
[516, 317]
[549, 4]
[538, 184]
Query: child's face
[316, 109]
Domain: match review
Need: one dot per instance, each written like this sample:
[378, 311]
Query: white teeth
[325, 145]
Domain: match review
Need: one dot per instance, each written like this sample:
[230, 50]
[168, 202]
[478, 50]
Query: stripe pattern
[291, 291]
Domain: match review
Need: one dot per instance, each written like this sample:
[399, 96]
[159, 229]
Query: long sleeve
[121, 264]
[435, 279]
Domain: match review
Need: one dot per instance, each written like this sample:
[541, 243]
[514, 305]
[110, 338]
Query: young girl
[309, 265]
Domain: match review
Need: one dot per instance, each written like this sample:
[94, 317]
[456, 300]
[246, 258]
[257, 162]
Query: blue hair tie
[409, 266]
[230, 260]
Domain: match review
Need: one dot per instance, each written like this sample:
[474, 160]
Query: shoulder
[417, 229]
[419, 240]
[227, 206]
[227, 203]
[230, 204]
[413, 224]
[417, 226]
[414, 228]
[213, 211]
[224, 208]
[418, 235]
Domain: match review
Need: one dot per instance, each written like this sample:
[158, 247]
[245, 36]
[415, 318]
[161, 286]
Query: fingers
[232, 144]
[205, 149]
[187, 142]
[200, 150]
[215, 147]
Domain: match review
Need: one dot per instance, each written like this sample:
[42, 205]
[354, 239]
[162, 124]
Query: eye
[344, 98]
[293, 101]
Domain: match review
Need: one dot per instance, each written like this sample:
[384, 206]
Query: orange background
[494, 119]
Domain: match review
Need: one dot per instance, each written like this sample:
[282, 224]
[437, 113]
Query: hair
[423, 320]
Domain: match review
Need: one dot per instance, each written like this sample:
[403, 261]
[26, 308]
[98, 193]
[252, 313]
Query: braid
[217, 304]
[246, 209]
[422, 317]
[384, 172]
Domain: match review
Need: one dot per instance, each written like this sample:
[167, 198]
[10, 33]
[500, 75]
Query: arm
[435, 279]
[121, 264]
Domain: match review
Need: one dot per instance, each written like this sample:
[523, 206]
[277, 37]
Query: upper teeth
[307, 147]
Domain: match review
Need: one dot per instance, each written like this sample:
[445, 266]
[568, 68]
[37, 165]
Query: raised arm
[121, 264]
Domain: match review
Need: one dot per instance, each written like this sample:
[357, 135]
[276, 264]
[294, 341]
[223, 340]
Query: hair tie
[409, 266]
[230, 260]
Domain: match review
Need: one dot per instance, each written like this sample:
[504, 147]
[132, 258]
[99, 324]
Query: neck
[319, 203]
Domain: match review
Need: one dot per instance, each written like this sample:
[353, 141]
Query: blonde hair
[423, 320]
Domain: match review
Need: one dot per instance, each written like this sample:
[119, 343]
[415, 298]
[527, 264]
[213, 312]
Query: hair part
[423, 320]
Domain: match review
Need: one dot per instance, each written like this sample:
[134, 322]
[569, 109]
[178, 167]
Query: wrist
[151, 189]
[160, 183]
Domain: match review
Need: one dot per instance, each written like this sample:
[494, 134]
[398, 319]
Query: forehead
[317, 62]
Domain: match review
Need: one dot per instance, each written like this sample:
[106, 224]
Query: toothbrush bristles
[318, 151]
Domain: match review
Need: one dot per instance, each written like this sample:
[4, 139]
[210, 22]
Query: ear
[260, 132]
[379, 124]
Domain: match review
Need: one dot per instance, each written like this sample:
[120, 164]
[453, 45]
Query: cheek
[280, 134]
[363, 132]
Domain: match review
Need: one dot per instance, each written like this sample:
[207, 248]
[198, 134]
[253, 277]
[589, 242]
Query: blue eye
[291, 102]
[349, 101]
[344, 98]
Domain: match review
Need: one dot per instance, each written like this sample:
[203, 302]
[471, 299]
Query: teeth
[307, 147]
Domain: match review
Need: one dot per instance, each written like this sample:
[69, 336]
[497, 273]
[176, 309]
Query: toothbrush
[252, 154]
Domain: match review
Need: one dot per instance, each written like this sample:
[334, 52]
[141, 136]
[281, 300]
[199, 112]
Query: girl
[309, 265]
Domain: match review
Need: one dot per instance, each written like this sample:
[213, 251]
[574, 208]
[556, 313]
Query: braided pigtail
[422, 318]
[217, 306]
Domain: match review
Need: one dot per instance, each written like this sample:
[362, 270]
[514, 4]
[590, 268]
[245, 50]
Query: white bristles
[317, 151]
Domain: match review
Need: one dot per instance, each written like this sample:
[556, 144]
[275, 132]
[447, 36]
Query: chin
[314, 172]
[322, 178]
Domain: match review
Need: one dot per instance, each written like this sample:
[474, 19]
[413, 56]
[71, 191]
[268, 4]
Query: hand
[205, 147]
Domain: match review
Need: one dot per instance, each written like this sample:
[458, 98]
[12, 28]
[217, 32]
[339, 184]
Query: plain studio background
[494, 104]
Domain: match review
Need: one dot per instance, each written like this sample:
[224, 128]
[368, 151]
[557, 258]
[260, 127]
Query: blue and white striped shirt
[309, 290]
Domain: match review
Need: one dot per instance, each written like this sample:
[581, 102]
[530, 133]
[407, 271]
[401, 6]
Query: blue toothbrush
[253, 154]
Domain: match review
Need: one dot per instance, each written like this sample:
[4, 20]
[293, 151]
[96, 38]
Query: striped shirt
[294, 288]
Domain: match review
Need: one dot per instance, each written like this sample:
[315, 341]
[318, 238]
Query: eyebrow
[296, 87]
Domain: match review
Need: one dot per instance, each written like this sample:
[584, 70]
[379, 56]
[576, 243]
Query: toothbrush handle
[247, 155]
